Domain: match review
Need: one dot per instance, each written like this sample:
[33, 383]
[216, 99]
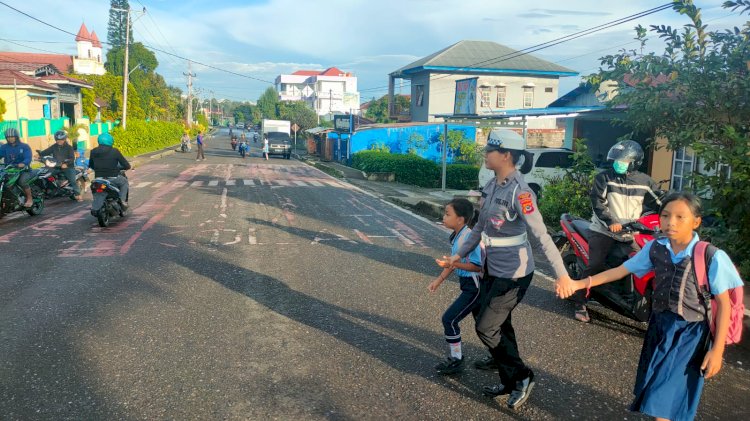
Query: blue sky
[263, 39]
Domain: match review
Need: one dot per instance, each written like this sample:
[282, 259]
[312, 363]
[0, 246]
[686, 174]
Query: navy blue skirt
[669, 381]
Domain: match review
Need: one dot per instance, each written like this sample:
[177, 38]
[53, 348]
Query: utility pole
[126, 69]
[190, 75]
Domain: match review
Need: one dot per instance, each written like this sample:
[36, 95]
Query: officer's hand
[615, 227]
[445, 263]
[565, 287]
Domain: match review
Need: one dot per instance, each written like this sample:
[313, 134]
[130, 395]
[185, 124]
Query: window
[528, 97]
[418, 95]
[500, 97]
[682, 168]
[484, 92]
[554, 160]
[548, 90]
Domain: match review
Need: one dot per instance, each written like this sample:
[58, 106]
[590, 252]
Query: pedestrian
[678, 351]
[199, 147]
[65, 156]
[265, 147]
[460, 217]
[619, 196]
[508, 210]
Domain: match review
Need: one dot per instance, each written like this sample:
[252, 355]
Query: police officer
[18, 154]
[107, 162]
[64, 154]
[508, 210]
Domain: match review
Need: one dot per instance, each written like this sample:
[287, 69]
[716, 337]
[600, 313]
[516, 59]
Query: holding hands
[565, 286]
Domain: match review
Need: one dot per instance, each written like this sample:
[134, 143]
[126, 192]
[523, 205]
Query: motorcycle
[243, 149]
[184, 147]
[12, 197]
[54, 184]
[630, 296]
[107, 203]
[233, 142]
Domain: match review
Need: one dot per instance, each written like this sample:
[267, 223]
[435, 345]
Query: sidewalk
[424, 201]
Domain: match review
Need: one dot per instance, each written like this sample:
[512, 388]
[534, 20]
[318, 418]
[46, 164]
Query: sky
[262, 39]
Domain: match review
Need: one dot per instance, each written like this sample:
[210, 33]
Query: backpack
[702, 255]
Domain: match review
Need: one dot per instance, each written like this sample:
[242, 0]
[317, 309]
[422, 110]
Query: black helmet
[627, 150]
[12, 132]
[61, 135]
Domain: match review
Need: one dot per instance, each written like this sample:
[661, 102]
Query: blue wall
[398, 139]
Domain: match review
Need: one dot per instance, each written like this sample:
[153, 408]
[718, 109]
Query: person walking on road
[508, 211]
[199, 147]
[265, 148]
[679, 350]
[459, 216]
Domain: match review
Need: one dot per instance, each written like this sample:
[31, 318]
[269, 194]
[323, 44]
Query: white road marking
[252, 239]
[316, 183]
[300, 183]
[223, 208]
[213, 183]
[249, 182]
[402, 237]
[230, 182]
[282, 182]
[196, 184]
[144, 184]
[180, 183]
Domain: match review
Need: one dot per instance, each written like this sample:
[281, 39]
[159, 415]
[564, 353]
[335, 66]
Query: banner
[466, 97]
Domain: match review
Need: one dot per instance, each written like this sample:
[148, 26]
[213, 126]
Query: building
[89, 60]
[330, 91]
[506, 79]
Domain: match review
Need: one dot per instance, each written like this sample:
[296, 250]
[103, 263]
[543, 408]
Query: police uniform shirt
[508, 209]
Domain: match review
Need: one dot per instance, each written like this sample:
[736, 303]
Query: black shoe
[486, 363]
[496, 390]
[450, 366]
[521, 393]
[124, 206]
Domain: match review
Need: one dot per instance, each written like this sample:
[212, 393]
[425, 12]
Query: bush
[408, 169]
[462, 176]
[143, 137]
[571, 192]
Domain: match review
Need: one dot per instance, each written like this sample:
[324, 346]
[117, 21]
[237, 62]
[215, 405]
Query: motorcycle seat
[582, 227]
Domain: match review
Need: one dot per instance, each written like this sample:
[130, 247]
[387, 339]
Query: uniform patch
[527, 209]
[527, 203]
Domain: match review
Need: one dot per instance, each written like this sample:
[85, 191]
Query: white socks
[456, 350]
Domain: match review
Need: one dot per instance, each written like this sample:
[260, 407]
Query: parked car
[547, 162]
[279, 143]
[240, 125]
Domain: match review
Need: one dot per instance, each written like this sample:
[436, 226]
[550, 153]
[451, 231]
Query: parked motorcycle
[54, 184]
[107, 203]
[12, 198]
[630, 296]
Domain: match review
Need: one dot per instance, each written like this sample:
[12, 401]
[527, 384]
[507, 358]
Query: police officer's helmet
[106, 139]
[627, 150]
[61, 135]
[11, 132]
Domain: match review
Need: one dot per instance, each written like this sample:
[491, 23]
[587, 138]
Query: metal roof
[485, 57]
[528, 113]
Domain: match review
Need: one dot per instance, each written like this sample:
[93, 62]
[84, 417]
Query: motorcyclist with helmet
[18, 154]
[619, 196]
[64, 154]
[107, 162]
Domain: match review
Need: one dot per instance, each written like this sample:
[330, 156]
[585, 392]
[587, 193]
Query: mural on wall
[422, 140]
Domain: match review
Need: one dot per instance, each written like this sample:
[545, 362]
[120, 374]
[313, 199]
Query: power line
[148, 46]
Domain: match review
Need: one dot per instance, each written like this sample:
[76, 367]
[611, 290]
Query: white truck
[278, 133]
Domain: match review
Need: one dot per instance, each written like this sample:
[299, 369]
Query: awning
[40, 95]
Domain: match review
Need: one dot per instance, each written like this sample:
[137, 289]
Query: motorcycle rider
[17, 153]
[107, 162]
[64, 154]
[618, 196]
[185, 142]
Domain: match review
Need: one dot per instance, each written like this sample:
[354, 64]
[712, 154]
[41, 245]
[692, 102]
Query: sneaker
[495, 390]
[450, 366]
[486, 363]
[582, 315]
[521, 393]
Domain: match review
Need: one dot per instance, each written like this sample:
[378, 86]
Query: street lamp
[126, 73]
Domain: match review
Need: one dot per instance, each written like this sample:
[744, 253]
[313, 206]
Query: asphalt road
[253, 289]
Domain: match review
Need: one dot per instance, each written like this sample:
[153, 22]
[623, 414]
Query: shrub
[462, 176]
[569, 193]
[408, 169]
[143, 137]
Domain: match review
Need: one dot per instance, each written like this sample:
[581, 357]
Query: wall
[398, 139]
[661, 161]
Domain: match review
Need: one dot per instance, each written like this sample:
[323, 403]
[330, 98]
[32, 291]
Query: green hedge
[143, 137]
[415, 170]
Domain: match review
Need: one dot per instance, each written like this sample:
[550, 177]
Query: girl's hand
[453, 259]
[565, 287]
[712, 363]
[435, 284]
[445, 263]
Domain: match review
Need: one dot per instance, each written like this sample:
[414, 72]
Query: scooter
[54, 184]
[12, 197]
[107, 203]
[630, 296]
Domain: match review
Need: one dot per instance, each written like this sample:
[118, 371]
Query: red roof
[95, 40]
[7, 78]
[331, 71]
[83, 34]
[306, 73]
[62, 62]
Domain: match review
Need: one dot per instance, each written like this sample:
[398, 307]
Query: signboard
[295, 127]
[342, 123]
[466, 97]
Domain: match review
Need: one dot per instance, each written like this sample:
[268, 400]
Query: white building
[89, 60]
[331, 91]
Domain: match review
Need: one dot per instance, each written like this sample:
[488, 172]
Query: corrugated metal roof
[483, 56]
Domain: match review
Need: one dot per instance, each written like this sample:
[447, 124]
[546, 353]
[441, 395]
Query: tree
[139, 55]
[378, 108]
[695, 95]
[3, 109]
[416, 143]
[268, 103]
[117, 23]
[239, 117]
[463, 149]
[298, 113]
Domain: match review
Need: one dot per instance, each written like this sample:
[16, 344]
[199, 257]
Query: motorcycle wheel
[38, 205]
[570, 260]
[103, 217]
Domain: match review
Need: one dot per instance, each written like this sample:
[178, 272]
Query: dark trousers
[200, 152]
[70, 175]
[499, 296]
[121, 182]
[599, 247]
[23, 179]
[466, 303]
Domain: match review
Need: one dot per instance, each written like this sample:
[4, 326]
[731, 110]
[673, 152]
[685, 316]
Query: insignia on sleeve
[527, 203]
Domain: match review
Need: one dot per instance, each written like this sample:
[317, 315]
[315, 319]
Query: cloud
[558, 12]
